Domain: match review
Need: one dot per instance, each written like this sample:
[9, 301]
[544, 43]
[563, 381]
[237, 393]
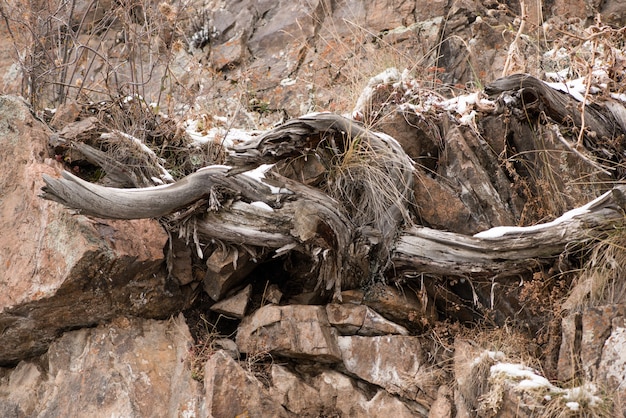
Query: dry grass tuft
[368, 179]
[203, 347]
[601, 281]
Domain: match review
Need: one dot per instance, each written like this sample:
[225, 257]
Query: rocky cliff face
[122, 318]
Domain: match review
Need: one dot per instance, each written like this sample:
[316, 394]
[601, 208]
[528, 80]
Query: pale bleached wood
[425, 250]
[343, 246]
[306, 219]
[149, 202]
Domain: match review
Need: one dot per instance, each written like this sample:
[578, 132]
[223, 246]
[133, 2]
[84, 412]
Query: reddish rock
[68, 271]
[485, 192]
[126, 368]
[294, 394]
[21, 389]
[471, 374]
[64, 115]
[440, 207]
[569, 352]
[343, 397]
[354, 296]
[442, 407]
[596, 329]
[394, 362]
[352, 319]
[231, 391]
[585, 341]
[402, 307]
[179, 264]
[234, 306]
[341, 394]
[272, 294]
[230, 53]
[299, 331]
[226, 269]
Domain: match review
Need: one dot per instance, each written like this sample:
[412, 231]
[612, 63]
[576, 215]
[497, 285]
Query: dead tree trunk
[343, 195]
[303, 216]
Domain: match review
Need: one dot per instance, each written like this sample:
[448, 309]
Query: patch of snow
[528, 379]
[262, 205]
[619, 96]
[558, 76]
[258, 174]
[527, 376]
[585, 394]
[573, 406]
[314, 114]
[287, 82]
[487, 354]
[132, 97]
[464, 106]
[468, 118]
[227, 137]
[218, 135]
[575, 88]
[461, 104]
[225, 167]
[388, 76]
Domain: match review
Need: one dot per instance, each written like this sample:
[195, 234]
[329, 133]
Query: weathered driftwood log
[369, 172]
[353, 220]
[310, 221]
[537, 96]
[507, 250]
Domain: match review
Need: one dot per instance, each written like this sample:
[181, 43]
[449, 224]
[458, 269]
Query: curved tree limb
[311, 219]
[559, 106]
[424, 250]
[149, 202]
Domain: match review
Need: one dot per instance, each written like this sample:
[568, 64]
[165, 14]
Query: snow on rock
[527, 379]
[597, 82]
[420, 100]
[387, 77]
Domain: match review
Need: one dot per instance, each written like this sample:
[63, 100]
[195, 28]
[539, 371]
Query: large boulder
[394, 362]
